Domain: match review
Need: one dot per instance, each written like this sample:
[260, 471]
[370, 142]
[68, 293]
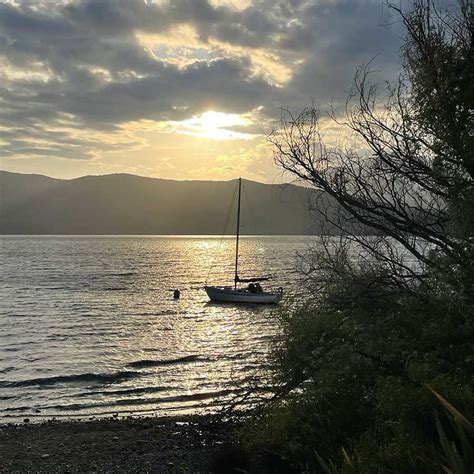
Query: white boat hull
[230, 295]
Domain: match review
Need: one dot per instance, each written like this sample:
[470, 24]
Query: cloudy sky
[182, 89]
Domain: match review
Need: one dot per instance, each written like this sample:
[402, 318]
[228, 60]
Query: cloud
[76, 74]
[226, 85]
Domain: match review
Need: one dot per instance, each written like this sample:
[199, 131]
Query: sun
[217, 126]
[212, 121]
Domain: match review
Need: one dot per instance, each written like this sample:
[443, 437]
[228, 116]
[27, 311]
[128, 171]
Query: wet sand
[184, 444]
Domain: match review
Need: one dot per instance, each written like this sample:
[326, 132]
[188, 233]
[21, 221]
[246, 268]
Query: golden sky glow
[180, 89]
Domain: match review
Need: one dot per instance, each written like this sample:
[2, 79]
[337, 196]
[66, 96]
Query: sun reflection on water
[90, 324]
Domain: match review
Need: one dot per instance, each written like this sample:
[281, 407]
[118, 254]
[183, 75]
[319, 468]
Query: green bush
[352, 370]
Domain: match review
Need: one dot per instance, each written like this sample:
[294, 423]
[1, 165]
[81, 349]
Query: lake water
[88, 325]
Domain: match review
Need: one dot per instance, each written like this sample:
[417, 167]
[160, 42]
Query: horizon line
[154, 178]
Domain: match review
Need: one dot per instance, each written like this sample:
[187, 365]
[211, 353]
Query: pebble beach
[185, 444]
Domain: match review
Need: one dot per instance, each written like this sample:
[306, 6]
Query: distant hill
[128, 204]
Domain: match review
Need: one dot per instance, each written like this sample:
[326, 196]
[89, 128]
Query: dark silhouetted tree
[410, 182]
[392, 306]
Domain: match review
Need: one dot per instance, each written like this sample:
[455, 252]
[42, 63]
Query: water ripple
[79, 314]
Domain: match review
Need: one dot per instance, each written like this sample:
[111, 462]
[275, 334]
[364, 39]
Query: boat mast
[236, 277]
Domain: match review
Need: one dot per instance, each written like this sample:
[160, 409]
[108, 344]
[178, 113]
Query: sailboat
[253, 293]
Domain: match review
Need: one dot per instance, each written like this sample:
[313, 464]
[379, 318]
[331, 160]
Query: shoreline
[189, 443]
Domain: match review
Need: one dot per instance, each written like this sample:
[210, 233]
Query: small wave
[240, 356]
[128, 391]
[166, 312]
[58, 337]
[106, 275]
[184, 410]
[78, 378]
[202, 396]
[156, 363]
[92, 393]
[6, 369]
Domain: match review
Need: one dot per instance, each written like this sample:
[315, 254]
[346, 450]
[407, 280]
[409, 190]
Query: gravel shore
[185, 444]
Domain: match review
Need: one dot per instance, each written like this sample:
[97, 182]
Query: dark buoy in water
[176, 294]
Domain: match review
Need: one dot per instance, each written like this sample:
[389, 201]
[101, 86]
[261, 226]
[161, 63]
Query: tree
[393, 308]
[413, 182]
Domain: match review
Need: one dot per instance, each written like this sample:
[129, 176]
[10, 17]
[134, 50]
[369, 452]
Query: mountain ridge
[128, 204]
